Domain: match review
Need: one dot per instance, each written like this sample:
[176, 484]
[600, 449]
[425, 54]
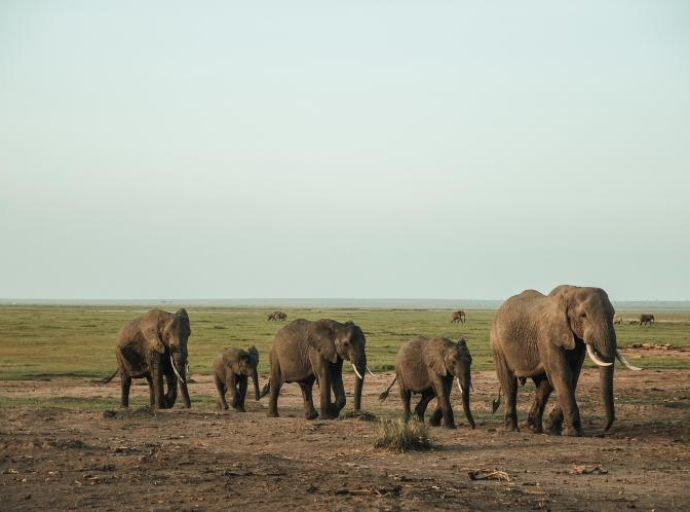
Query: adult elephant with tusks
[545, 338]
[154, 346]
[305, 351]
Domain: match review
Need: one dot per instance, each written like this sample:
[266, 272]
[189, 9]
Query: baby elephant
[429, 366]
[231, 370]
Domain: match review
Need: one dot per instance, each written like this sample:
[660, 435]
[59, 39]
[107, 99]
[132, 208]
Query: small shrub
[358, 415]
[399, 436]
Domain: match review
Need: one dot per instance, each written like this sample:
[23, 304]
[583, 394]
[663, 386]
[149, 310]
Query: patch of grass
[400, 436]
[358, 415]
[80, 340]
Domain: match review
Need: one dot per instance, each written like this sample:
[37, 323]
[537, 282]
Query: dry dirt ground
[201, 459]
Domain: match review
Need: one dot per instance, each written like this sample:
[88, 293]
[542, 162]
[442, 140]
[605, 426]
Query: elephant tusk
[358, 374]
[459, 386]
[370, 372]
[175, 370]
[595, 358]
[186, 370]
[625, 362]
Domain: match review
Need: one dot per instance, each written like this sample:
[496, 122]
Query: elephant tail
[265, 390]
[384, 395]
[496, 403]
[108, 379]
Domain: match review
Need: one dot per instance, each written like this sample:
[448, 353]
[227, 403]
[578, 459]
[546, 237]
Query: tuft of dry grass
[400, 436]
[358, 415]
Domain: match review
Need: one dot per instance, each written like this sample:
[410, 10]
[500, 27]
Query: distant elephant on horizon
[276, 315]
[458, 316]
[647, 319]
[231, 370]
[154, 346]
[305, 352]
[617, 320]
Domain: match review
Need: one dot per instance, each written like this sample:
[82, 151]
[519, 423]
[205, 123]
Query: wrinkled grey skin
[145, 347]
[231, 370]
[543, 338]
[305, 351]
[429, 366]
[646, 319]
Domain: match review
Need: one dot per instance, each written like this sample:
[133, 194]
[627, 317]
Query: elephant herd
[534, 336]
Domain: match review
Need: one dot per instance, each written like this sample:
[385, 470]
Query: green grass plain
[48, 341]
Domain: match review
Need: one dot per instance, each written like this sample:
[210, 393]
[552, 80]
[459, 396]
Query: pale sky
[343, 149]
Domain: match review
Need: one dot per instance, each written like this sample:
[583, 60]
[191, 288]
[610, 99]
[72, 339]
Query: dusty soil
[200, 459]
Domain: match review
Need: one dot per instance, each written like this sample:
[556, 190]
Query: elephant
[153, 346]
[304, 351]
[545, 338]
[429, 366]
[647, 319]
[276, 315]
[458, 316]
[230, 372]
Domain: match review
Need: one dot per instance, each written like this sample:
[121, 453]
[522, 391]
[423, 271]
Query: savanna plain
[66, 445]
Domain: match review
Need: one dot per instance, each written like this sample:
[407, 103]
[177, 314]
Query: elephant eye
[583, 315]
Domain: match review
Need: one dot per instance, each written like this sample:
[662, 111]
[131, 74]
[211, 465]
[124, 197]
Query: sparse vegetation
[358, 415]
[400, 436]
[50, 341]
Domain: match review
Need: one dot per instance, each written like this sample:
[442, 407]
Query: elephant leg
[338, 390]
[541, 397]
[325, 384]
[231, 385]
[555, 423]
[220, 387]
[125, 384]
[427, 396]
[242, 393]
[561, 377]
[152, 400]
[276, 382]
[443, 398]
[508, 383]
[171, 395]
[157, 376]
[309, 411]
[405, 396]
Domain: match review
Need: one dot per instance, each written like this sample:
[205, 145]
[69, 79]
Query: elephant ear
[434, 359]
[321, 337]
[253, 355]
[231, 358]
[558, 323]
[151, 329]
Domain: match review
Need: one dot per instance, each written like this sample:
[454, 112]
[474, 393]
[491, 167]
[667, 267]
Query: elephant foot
[434, 422]
[311, 415]
[572, 432]
[273, 414]
[535, 426]
[511, 427]
[554, 429]
[240, 409]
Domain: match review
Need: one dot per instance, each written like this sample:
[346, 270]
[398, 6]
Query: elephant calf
[230, 372]
[429, 366]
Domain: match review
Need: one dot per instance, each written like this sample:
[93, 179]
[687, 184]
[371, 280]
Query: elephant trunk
[605, 344]
[359, 364]
[255, 378]
[183, 373]
[606, 381]
[466, 385]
